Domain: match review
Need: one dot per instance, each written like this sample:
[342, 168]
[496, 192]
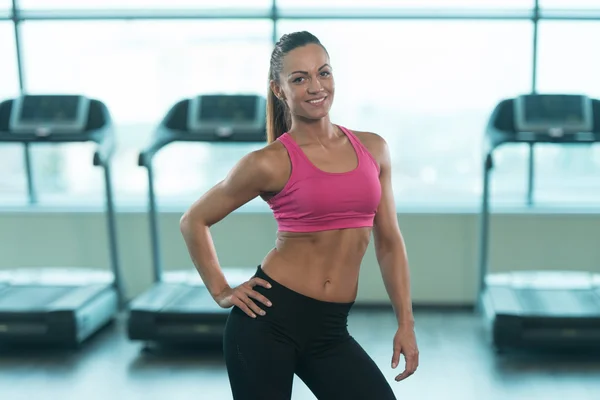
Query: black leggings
[303, 336]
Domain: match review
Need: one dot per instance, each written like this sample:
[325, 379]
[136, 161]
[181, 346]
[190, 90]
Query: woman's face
[306, 82]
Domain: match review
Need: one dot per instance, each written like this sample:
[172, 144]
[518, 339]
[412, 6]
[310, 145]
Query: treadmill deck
[181, 309]
[543, 310]
[545, 294]
[37, 306]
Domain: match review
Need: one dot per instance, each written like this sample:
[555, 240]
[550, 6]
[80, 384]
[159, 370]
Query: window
[143, 4]
[568, 63]
[428, 87]
[9, 80]
[587, 9]
[567, 60]
[12, 178]
[5, 9]
[406, 4]
[139, 69]
[570, 4]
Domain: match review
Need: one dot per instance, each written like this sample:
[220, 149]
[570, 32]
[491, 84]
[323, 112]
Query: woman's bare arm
[251, 176]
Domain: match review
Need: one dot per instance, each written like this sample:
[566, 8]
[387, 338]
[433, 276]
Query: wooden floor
[456, 363]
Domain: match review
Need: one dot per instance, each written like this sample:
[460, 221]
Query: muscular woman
[329, 189]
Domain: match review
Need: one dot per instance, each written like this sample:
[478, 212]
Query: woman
[329, 188]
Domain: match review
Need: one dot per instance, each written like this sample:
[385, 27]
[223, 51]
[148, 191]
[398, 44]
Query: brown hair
[279, 119]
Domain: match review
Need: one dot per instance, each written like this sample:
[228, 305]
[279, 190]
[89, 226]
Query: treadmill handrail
[102, 136]
[174, 127]
[495, 137]
[105, 151]
[106, 146]
[159, 140]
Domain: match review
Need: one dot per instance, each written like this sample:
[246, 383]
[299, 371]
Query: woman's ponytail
[278, 117]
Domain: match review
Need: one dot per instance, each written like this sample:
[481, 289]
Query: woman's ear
[276, 88]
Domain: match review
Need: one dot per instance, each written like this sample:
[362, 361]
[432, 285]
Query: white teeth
[317, 101]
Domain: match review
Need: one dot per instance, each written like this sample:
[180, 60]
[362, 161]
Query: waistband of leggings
[301, 298]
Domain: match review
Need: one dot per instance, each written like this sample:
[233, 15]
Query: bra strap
[362, 149]
[292, 148]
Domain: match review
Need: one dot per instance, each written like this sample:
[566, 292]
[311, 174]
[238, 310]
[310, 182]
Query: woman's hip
[292, 313]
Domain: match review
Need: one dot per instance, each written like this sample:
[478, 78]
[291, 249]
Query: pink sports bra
[314, 200]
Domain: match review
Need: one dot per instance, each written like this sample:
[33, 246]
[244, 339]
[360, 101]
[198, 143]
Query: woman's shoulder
[271, 160]
[375, 143]
[272, 153]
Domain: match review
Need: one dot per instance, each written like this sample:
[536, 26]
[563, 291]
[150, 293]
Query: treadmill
[538, 309]
[178, 308]
[54, 305]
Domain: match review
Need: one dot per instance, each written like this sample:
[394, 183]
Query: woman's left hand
[405, 343]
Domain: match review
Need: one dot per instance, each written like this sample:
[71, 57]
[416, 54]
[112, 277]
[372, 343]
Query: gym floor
[455, 363]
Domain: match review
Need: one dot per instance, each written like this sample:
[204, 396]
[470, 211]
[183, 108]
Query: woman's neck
[312, 131]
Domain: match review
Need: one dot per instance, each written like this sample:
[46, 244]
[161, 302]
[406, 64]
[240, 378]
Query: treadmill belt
[30, 298]
[193, 300]
[568, 303]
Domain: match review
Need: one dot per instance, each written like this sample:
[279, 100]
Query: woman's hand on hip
[242, 295]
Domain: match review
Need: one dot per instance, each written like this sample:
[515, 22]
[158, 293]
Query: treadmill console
[44, 115]
[223, 115]
[555, 115]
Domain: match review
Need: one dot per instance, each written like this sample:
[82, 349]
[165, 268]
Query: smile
[317, 101]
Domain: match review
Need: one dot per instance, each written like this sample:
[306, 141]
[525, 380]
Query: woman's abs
[321, 265]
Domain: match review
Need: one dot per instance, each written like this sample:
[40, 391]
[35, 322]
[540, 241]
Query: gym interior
[116, 115]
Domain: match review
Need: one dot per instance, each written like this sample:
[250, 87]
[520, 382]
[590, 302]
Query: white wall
[442, 247]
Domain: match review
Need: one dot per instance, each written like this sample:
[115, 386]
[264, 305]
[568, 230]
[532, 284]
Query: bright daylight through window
[427, 86]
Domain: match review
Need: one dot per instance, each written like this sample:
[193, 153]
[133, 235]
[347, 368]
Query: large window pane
[5, 11]
[570, 4]
[11, 156]
[142, 4]
[5, 4]
[568, 63]
[567, 57]
[428, 87]
[9, 79]
[140, 69]
[408, 4]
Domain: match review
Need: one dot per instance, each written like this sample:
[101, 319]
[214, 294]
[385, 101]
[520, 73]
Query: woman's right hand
[242, 295]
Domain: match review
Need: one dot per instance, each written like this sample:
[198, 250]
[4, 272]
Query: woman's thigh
[344, 371]
[260, 360]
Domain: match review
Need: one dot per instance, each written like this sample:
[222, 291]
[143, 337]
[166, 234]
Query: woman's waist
[321, 278]
[293, 301]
